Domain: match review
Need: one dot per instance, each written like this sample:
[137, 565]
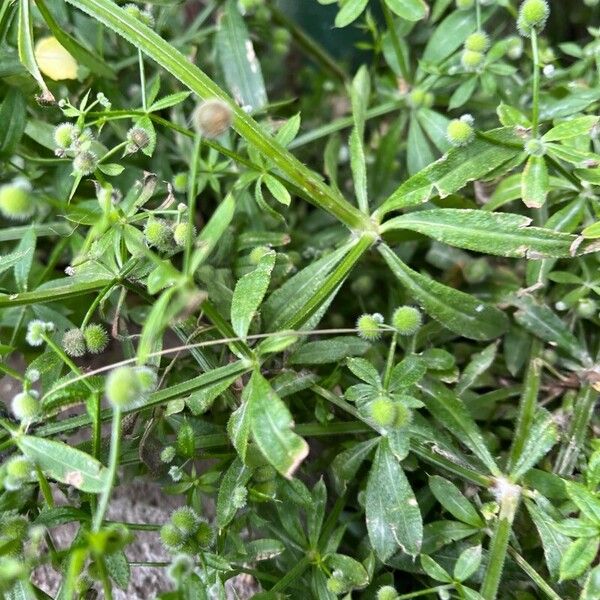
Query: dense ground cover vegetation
[324, 270]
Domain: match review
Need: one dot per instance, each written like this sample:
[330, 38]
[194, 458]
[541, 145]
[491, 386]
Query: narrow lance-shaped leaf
[249, 293]
[26, 51]
[392, 513]
[411, 10]
[541, 437]
[65, 463]
[571, 128]
[454, 170]
[452, 414]
[459, 312]
[237, 58]
[213, 231]
[540, 320]
[479, 364]
[13, 116]
[271, 426]
[349, 12]
[503, 234]
[453, 500]
[535, 182]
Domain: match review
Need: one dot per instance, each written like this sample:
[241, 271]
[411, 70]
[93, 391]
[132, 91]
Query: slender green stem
[528, 403]
[112, 152]
[142, 80]
[580, 421]
[433, 590]
[191, 196]
[11, 372]
[389, 21]
[534, 575]
[113, 465]
[94, 305]
[478, 14]
[509, 497]
[390, 360]
[291, 575]
[535, 112]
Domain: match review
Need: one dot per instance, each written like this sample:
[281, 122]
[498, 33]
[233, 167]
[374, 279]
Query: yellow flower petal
[54, 61]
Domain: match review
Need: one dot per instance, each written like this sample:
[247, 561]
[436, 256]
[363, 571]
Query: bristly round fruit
[369, 326]
[73, 342]
[16, 202]
[96, 338]
[460, 131]
[533, 14]
[186, 520]
[36, 330]
[407, 320]
[167, 454]
[387, 592]
[213, 118]
[180, 233]
[180, 182]
[205, 534]
[85, 163]
[19, 467]
[471, 60]
[159, 234]
[383, 411]
[123, 387]
[535, 147]
[336, 584]
[137, 139]
[64, 135]
[171, 537]
[477, 42]
[25, 406]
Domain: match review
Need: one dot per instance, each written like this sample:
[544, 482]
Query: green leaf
[26, 50]
[351, 570]
[452, 414]
[454, 170]
[411, 10]
[571, 128]
[453, 500]
[235, 52]
[201, 401]
[591, 588]
[249, 293]
[542, 322]
[278, 190]
[553, 542]
[449, 35]
[467, 564]
[292, 304]
[540, 439]
[587, 502]
[346, 464]
[459, 312]
[65, 463]
[534, 182]
[169, 101]
[392, 513]
[328, 351]
[577, 100]
[238, 426]
[407, 372]
[364, 370]
[236, 475]
[434, 569]
[419, 153]
[359, 169]
[350, 11]
[13, 115]
[12, 260]
[117, 566]
[271, 426]
[212, 231]
[479, 364]
[503, 234]
[578, 557]
[435, 125]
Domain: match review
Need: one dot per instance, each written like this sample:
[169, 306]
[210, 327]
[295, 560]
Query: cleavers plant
[368, 369]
